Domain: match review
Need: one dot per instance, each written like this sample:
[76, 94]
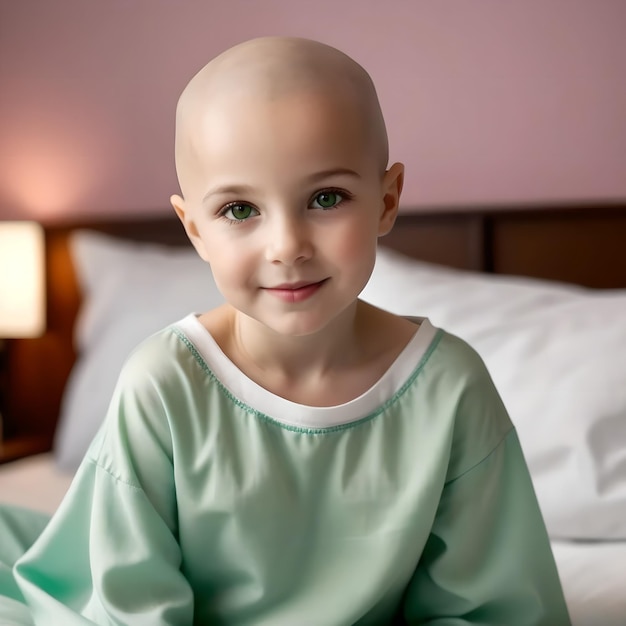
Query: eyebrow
[237, 190]
[339, 171]
[247, 189]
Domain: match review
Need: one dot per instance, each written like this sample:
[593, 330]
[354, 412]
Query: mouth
[296, 292]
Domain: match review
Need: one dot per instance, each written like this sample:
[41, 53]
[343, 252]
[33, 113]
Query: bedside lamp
[22, 292]
[22, 280]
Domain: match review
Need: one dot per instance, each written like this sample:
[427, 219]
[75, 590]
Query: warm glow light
[22, 281]
[51, 166]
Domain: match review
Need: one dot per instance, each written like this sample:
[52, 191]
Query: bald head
[271, 68]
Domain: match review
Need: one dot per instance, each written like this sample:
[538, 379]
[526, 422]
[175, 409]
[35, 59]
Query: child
[296, 456]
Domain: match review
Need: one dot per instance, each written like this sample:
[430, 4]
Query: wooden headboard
[578, 244]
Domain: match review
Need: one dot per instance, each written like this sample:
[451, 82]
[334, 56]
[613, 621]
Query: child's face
[286, 201]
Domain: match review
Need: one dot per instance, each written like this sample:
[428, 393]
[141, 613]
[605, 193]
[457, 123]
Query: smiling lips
[295, 292]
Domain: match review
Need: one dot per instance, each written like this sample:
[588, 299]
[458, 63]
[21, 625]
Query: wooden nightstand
[19, 447]
[13, 446]
[4, 383]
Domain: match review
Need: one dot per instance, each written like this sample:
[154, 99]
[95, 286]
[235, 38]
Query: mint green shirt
[205, 499]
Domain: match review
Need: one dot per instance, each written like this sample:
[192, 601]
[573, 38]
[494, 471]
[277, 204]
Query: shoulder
[155, 388]
[161, 359]
[158, 382]
[456, 363]
[479, 421]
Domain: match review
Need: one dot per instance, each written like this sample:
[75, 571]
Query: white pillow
[131, 290]
[557, 354]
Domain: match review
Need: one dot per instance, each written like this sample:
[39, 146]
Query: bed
[540, 291]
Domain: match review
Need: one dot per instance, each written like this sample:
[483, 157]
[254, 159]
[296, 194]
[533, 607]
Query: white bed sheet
[34, 482]
[593, 574]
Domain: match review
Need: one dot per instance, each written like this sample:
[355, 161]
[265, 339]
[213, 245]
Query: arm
[488, 559]
[110, 555]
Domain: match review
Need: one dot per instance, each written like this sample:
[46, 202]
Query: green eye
[239, 212]
[327, 200]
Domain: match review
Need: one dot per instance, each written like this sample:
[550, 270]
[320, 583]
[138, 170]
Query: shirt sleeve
[110, 554]
[488, 558]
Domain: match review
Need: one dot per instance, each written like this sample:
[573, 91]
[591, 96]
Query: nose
[289, 241]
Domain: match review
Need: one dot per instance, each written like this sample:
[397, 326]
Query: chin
[305, 323]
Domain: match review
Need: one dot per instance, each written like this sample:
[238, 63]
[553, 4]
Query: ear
[392, 188]
[189, 225]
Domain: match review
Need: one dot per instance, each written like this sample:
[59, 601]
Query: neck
[336, 346]
[326, 368]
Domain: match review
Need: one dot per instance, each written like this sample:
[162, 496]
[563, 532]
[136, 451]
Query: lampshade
[22, 280]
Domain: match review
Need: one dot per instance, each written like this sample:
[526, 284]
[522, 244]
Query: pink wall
[486, 101]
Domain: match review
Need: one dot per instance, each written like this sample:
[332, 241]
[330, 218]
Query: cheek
[229, 270]
[355, 244]
[230, 264]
